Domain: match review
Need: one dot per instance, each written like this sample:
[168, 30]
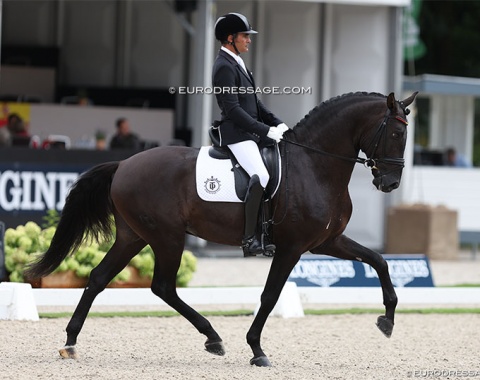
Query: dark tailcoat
[244, 117]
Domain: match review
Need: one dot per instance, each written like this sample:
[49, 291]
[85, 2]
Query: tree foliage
[451, 34]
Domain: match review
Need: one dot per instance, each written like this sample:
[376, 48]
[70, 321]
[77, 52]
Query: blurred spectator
[4, 132]
[124, 139]
[5, 113]
[84, 101]
[81, 99]
[5, 138]
[56, 142]
[16, 125]
[455, 159]
[18, 130]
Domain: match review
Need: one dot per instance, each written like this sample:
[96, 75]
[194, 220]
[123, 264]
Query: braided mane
[318, 110]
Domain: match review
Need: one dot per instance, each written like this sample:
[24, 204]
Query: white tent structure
[330, 47]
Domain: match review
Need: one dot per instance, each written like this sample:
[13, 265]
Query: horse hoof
[385, 325]
[68, 352]
[216, 348]
[261, 361]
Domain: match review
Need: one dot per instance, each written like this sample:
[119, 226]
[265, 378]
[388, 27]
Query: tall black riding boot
[267, 244]
[250, 244]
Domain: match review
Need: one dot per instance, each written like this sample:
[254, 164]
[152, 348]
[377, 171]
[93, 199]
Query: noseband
[377, 138]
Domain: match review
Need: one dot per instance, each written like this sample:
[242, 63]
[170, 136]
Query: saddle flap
[271, 159]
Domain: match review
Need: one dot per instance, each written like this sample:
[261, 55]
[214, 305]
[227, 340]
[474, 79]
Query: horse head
[387, 146]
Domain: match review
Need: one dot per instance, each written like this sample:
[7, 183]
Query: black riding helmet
[232, 23]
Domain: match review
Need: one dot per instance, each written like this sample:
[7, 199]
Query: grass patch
[398, 311]
[353, 310]
[146, 314]
[238, 313]
[462, 286]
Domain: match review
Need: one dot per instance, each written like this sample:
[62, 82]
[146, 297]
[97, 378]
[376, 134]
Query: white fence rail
[20, 301]
[251, 295]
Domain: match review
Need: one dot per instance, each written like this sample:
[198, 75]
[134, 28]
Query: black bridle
[377, 138]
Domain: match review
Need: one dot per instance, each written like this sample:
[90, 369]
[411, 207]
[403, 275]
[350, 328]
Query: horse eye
[395, 135]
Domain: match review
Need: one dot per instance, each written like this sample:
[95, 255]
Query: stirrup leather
[268, 247]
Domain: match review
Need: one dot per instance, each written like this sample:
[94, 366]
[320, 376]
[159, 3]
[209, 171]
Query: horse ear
[391, 101]
[410, 99]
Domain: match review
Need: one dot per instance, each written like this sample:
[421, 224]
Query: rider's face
[242, 41]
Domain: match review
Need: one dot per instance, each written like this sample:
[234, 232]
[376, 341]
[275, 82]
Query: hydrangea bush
[24, 243]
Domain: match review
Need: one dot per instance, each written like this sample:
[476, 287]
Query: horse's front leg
[345, 248]
[280, 269]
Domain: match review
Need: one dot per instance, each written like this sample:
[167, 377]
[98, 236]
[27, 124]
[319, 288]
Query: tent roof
[442, 84]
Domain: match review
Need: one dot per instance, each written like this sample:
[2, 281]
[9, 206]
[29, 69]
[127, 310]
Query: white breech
[249, 158]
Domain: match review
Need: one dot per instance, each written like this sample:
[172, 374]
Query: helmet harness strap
[233, 43]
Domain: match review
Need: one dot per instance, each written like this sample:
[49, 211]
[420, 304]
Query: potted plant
[100, 140]
[23, 244]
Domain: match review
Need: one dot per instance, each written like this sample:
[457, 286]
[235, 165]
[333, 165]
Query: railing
[455, 188]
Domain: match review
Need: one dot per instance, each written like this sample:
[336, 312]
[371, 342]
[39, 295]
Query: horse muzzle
[386, 184]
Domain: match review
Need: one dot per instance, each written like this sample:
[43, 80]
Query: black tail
[87, 213]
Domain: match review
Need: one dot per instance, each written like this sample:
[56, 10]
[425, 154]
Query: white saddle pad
[215, 179]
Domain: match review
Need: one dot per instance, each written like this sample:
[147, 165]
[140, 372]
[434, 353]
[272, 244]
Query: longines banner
[405, 270]
[33, 181]
[35, 188]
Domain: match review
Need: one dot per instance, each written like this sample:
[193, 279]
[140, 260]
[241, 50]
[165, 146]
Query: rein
[367, 162]
[357, 160]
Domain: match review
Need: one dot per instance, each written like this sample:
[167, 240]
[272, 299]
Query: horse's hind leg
[345, 248]
[126, 246]
[167, 262]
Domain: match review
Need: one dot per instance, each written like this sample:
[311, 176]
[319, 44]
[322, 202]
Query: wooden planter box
[64, 280]
[135, 281]
[70, 280]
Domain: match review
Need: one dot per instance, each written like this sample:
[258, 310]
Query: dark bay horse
[153, 199]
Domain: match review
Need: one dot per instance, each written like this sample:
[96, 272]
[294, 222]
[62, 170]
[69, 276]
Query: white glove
[275, 134]
[283, 127]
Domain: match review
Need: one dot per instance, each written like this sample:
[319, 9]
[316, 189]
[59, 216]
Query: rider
[245, 121]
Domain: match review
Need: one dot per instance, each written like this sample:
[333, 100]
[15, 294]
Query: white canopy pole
[200, 104]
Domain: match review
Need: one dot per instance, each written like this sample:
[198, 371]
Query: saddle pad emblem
[212, 185]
